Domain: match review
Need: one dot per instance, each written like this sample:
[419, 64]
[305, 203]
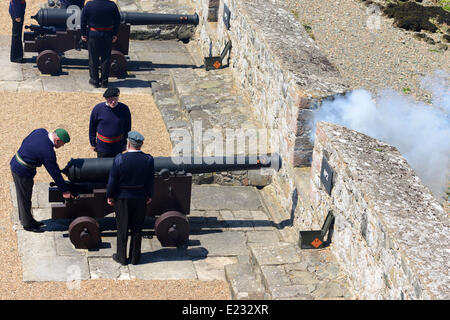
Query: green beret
[63, 135]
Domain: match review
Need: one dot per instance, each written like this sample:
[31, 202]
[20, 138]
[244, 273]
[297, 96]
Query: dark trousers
[16, 41]
[99, 55]
[24, 191]
[130, 215]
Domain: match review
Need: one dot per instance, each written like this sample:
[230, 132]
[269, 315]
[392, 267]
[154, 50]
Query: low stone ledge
[390, 234]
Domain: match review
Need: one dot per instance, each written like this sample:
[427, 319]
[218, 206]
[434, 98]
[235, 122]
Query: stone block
[243, 283]
[154, 269]
[212, 268]
[225, 198]
[107, 268]
[54, 268]
[274, 254]
[222, 243]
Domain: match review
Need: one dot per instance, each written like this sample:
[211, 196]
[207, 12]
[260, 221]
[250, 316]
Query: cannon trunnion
[170, 203]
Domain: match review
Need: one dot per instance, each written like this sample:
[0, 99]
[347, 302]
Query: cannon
[53, 37]
[171, 200]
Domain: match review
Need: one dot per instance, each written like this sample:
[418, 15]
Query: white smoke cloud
[421, 132]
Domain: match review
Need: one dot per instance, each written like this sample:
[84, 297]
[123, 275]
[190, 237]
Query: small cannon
[53, 37]
[171, 199]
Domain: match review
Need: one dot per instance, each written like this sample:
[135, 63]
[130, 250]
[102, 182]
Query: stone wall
[280, 70]
[390, 234]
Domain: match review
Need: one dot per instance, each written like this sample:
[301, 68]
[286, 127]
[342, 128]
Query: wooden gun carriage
[52, 37]
[171, 199]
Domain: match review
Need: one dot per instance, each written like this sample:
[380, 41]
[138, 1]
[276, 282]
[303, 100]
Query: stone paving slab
[209, 197]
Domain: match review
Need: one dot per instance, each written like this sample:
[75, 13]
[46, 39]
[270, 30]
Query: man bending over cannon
[109, 124]
[37, 149]
[130, 189]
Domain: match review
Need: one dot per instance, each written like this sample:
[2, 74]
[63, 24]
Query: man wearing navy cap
[17, 13]
[37, 149]
[130, 190]
[109, 125]
[100, 20]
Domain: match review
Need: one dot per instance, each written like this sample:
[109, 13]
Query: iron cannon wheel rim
[164, 226]
[48, 62]
[118, 63]
[78, 236]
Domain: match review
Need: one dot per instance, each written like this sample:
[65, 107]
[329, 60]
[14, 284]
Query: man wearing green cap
[37, 149]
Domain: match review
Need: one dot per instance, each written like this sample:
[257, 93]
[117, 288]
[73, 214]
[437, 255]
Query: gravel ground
[21, 113]
[371, 58]
[65, 109]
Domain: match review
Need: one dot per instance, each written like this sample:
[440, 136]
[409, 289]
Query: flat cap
[136, 137]
[63, 135]
[111, 92]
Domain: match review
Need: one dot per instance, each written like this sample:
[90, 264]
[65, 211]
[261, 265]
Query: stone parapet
[390, 234]
[279, 69]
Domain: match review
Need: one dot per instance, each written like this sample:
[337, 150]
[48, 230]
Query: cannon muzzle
[60, 17]
[96, 170]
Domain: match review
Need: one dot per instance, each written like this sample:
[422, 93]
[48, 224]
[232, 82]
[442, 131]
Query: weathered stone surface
[385, 218]
[151, 269]
[274, 254]
[54, 268]
[224, 198]
[107, 268]
[212, 268]
[222, 243]
[243, 283]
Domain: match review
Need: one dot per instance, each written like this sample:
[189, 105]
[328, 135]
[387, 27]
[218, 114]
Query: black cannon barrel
[59, 18]
[146, 18]
[97, 169]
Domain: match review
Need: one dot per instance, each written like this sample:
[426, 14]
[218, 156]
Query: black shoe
[33, 228]
[114, 256]
[20, 60]
[38, 224]
[104, 84]
[94, 83]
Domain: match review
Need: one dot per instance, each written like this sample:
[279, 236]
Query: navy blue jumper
[132, 176]
[66, 3]
[109, 127]
[37, 150]
[17, 8]
[102, 15]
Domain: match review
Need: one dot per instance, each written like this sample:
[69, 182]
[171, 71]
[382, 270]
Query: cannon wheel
[172, 229]
[118, 64]
[84, 233]
[48, 62]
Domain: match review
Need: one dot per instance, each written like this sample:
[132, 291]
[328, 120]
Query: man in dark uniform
[67, 3]
[130, 190]
[37, 149]
[109, 125]
[100, 20]
[17, 13]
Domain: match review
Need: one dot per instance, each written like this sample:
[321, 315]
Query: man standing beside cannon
[37, 149]
[109, 125]
[17, 13]
[130, 190]
[100, 20]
